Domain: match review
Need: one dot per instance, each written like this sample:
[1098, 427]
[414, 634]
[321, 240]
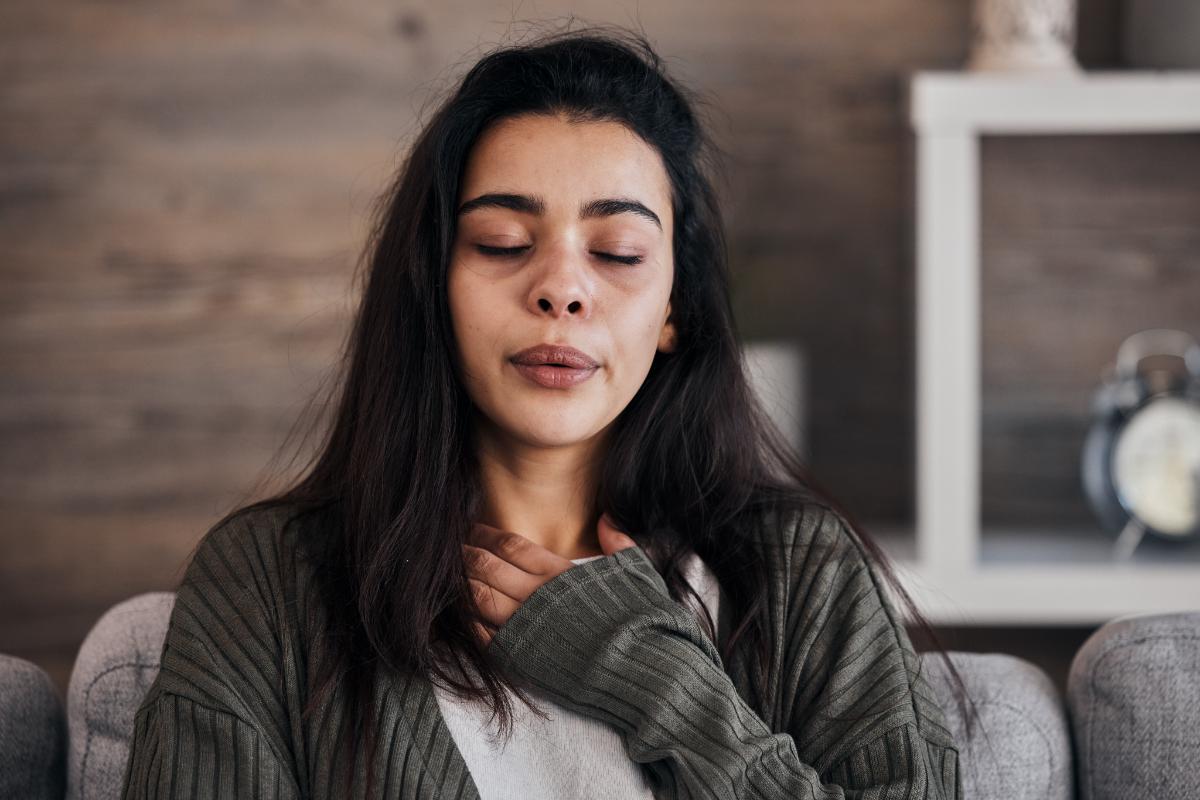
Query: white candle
[776, 371]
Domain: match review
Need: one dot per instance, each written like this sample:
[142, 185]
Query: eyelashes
[511, 252]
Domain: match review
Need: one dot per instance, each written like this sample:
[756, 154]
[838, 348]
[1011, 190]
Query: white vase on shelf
[1023, 36]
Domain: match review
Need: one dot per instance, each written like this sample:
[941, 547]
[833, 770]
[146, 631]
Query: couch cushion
[116, 664]
[1134, 698]
[33, 732]
[1022, 746]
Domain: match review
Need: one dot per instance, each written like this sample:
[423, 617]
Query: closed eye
[510, 252]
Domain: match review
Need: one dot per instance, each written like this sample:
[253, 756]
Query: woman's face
[584, 211]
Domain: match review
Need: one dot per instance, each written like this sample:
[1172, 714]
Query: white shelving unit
[958, 573]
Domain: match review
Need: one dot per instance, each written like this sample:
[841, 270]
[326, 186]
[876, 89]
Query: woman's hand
[504, 568]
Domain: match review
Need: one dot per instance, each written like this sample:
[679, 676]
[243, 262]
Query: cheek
[468, 316]
[636, 333]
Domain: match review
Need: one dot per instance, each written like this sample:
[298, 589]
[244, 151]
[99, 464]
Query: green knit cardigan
[847, 713]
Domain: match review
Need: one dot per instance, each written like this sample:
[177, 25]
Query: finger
[494, 606]
[518, 550]
[500, 574]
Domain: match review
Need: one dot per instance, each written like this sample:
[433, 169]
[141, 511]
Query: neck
[546, 494]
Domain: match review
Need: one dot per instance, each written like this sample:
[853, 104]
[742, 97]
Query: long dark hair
[693, 460]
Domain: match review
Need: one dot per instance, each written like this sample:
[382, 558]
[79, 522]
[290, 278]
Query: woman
[544, 452]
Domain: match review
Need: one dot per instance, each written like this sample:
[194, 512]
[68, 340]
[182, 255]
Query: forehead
[565, 160]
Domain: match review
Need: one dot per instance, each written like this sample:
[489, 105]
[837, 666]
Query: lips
[555, 366]
[555, 355]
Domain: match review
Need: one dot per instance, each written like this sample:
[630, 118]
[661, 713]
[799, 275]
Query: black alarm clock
[1141, 458]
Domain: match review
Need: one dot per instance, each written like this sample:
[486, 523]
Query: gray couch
[1128, 728]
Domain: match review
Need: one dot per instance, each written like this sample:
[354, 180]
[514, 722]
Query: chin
[561, 435]
[543, 426]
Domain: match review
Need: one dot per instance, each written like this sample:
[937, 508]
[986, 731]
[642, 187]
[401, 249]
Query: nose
[561, 288]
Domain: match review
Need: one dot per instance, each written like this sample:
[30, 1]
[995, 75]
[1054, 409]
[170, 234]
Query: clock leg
[1127, 542]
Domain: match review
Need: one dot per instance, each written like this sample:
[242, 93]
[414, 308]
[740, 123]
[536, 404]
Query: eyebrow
[605, 207]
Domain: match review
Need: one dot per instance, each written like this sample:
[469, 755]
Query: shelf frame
[949, 112]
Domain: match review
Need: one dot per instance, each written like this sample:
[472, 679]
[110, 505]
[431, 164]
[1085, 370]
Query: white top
[568, 755]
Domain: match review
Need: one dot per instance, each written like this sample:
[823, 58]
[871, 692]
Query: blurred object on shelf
[776, 370]
[1162, 34]
[1023, 36]
[1141, 458]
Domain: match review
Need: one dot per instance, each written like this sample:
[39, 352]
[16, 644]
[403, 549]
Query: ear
[667, 336]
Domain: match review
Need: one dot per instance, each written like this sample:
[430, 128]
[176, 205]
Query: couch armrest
[33, 732]
[1022, 748]
[117, 662]
[1134, 698]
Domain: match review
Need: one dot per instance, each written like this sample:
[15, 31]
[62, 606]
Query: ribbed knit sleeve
[181, 749]
[214, 723]
[605, 639]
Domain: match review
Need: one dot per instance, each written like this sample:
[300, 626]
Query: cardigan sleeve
[213, 723]
[605, 639]
[182, 750]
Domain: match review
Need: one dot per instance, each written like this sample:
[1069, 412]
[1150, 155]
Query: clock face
[1156, 465]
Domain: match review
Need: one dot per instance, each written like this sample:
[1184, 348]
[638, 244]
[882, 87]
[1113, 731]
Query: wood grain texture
[184, 193]
[1086, 239]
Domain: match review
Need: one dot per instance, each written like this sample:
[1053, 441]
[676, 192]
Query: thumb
[611, 539]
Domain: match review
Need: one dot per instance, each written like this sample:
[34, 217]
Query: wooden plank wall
[184, 193]
[1086, 239]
